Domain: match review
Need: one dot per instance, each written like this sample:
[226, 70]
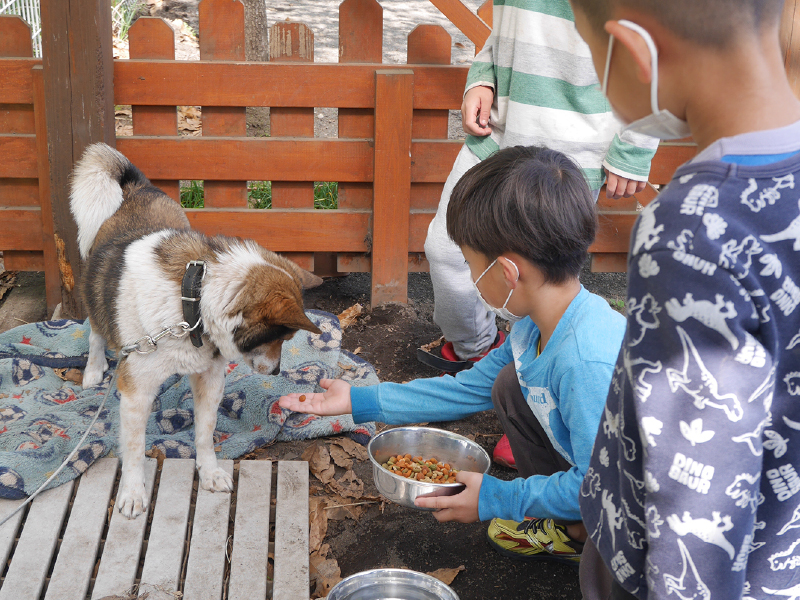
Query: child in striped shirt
[533, 83]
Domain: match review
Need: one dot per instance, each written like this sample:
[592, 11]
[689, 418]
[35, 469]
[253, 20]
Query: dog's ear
[307, 279]
[292, 315]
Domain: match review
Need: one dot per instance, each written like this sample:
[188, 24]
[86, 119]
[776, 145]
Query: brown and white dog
[141, 276]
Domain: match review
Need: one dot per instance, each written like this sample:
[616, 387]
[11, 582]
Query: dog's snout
[276, 370]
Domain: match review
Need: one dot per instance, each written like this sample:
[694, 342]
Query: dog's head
[269, 308]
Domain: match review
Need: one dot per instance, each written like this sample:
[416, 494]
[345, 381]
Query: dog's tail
[96, 190]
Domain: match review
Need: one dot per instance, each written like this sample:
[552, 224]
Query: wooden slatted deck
[253, 544]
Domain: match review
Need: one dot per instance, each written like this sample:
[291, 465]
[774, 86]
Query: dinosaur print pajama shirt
[692, 490]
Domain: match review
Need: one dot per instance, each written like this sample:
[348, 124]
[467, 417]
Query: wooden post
[360, 41]
[52, 278]
[79, 95]
[151, 37]
[222, 38]
[394, 102]
[427, 44]
[292, 42]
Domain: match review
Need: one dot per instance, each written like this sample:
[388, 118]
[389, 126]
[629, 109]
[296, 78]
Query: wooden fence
[391, 158]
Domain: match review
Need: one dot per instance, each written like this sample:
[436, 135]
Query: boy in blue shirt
[524, 219]
[693, 484]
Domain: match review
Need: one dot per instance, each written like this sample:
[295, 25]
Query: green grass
[618, 305]
[123, 13]
[192, 195]
[259, 194]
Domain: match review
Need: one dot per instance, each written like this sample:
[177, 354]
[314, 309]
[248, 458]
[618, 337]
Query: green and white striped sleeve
[630, 154]
[482, 70]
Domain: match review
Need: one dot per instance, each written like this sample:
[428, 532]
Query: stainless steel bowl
[391, 584]
[460, 452]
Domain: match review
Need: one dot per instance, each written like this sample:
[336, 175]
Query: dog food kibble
[427, 470]
[302, 398]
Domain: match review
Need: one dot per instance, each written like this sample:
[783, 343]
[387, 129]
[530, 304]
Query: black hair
[529, 200]
[706, 22]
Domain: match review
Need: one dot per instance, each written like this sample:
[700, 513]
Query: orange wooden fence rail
[391, 158]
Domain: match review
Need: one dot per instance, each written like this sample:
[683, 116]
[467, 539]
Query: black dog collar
[190, 299]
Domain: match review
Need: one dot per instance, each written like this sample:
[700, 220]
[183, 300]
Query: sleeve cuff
[364, 404]
[491, 490]
[623, 173]
[475, 84]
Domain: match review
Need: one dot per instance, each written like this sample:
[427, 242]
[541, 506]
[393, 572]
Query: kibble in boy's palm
[335, 400]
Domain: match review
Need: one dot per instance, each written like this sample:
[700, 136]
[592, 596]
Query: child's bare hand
[462, 507]
[619, 187]
[334, 401]
[475, 110]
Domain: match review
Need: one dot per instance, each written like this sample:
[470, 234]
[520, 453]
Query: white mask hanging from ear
[660, 124]
[503, 312]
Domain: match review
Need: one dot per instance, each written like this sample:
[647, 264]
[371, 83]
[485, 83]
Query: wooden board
[78, 552]
[249, 558]
[206, 567]
[26, 574]
[291, 532]
[392, 186]
[123, 547]
[161, 573]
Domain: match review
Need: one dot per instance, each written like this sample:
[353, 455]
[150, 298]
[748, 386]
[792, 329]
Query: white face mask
[660, 124]
[503, 312]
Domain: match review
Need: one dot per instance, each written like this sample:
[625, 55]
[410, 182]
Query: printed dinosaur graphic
[697, 381]
[711, 315]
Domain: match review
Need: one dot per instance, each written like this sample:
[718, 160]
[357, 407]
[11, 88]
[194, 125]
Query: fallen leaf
[433, 344]
[459, 45]
[317, 521]
[348, 485]
[352, 448]
[340, 456]
[73, 375]
[447, 576]
[190, 120]
[324, 574]
[357, 350]
[319, 462]
[157, 454]
[345, 367]
[348, 316]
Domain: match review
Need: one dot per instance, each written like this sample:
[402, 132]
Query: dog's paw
[93, 374]
[216, 480]
[131, 501]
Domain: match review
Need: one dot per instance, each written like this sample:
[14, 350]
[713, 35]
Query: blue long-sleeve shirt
[693, 484]
[565, 387]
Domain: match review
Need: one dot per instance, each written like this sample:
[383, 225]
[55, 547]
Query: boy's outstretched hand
[475, 110]
[619, 187]
[462, 507]
[334, 401]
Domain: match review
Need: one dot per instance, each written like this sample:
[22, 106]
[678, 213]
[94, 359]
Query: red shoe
[502, 453]
[448, 353]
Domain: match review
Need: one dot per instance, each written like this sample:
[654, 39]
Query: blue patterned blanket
[43, 416]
